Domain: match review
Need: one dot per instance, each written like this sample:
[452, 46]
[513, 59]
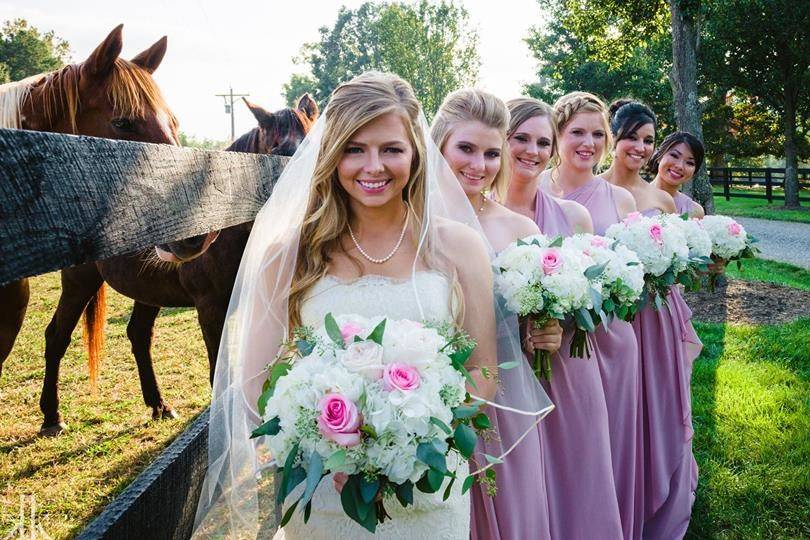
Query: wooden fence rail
[66, 200]
[751, 179]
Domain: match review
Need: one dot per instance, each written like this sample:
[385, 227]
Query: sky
[250, 46]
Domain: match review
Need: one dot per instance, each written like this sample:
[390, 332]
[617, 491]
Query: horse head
[103, 96]
[278, 133]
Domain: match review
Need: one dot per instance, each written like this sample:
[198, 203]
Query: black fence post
[727, 184]
[768, 185]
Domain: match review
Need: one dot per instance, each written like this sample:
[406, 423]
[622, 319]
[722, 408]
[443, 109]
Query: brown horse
[204, 283]
[104, 96]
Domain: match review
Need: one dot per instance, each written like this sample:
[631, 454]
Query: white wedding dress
[429, 517]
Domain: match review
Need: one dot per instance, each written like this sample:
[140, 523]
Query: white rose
[364, 358]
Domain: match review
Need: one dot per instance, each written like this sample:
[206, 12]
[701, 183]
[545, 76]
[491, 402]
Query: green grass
[759, 208]
[770, 272]
[111, 436]
[751, 412]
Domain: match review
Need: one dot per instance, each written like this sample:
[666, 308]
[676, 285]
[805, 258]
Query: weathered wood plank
[65, 200]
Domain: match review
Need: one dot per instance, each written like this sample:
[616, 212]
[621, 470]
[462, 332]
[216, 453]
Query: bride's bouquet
[380, 400]
[622, 280]
[662, 248]
[547, 280]
[729, 241]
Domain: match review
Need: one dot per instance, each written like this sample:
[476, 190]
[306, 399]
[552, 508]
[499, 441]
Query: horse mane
[247, 142]
[131, 90]
[12, 96]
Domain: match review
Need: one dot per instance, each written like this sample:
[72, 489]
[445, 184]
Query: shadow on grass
[164, 312]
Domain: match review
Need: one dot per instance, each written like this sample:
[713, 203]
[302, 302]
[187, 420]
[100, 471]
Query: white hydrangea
[623, 275]
[659, 246]
[697, 239]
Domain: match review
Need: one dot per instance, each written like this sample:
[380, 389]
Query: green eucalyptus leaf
[333, 331]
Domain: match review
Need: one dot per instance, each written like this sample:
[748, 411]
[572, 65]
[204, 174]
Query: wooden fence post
[726, 184]
[768, 185]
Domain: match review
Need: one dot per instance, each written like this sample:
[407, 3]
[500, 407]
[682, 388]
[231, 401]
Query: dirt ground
[750, 302]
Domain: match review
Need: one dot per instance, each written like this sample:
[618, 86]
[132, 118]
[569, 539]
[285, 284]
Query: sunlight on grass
[771, 272]
[111, 436]
[751, 409]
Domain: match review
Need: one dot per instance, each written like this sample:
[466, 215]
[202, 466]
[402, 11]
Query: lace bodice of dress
[372, 295]
[429, 516]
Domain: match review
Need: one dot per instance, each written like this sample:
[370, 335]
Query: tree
[621, 45]
[24, 51]
[431, 45]
[765, 51]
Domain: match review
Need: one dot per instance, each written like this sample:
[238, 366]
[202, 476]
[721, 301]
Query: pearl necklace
[483, 204]
[386, 258]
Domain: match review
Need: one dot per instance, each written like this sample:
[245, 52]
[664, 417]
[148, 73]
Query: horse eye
[123, 124]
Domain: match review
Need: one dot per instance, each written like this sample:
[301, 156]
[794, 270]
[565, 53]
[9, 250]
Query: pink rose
[552, 261]
[348, 331]
[598, 241]
[734, 228]
[401, 377]
[339, 420]
[631, 218]
[657, 233]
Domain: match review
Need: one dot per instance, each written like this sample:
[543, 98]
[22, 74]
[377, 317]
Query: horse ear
[261, 114]
[151, 58]
[308, 106]
[100, 62]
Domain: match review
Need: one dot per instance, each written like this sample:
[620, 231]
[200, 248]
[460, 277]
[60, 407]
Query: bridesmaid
[583, 135]
[667, 345]
[470, 130]
[633, 126]
[675, 163]
[575, 438]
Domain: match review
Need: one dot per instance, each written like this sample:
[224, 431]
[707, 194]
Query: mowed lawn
[759, 208]
[111, 436]
[751, 406]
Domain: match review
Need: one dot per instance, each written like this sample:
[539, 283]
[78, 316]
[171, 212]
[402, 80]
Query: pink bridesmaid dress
[575, 437]
[616, 353]
[668, 345]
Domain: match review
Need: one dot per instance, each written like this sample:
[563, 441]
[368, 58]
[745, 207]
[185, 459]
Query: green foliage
[203, 144]
[617, 49]
[24, 51]
[297, 86]
[431, 45]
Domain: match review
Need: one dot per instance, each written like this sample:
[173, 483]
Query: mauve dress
[668, 345]
[575, 438]
[615, 350]
[519, 509]
[683, 203]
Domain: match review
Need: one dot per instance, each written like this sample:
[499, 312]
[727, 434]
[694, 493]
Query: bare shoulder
[459, 238]
[625, 203]
[665, 201]
[516, 223]
[578, 216]
[697, 210]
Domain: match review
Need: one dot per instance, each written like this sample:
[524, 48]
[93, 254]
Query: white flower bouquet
[622, 281]
[382, 401]
[700, 248]
[729, 241]
[546, 280]
[661, 247]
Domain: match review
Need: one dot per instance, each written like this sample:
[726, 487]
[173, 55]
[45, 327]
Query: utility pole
[229, 106]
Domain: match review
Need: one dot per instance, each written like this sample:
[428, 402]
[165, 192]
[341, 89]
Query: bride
[363, 220]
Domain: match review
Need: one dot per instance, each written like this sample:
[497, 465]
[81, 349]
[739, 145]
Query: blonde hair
[573, 103]
[473, 104]
[353, 105]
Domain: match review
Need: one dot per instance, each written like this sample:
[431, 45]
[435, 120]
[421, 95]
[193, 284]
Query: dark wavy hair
[627, 115]
[674, 139]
